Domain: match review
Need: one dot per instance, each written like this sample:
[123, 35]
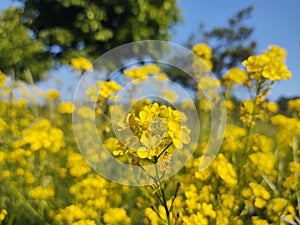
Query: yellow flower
[138, 74]
[262, 143]
[202, 60]
[294, 105]
[233, 138]
[198, 218]
[153, 217]
[2, 157]
[187, 104]
[205, 53]
[103, 89]
[77, 165]
[225, 170]
[5, 174]
[70, 213]
[3, 214]
[270, 65]
[247, 111]
[203, 50]
[260, 203]
[3, 126]
[135, 73]
[81, 63]
[222, 218]
[170, 96]
[29, 178]
[259, 191]
[84, 222]
[92, 189]
[116, 216]
[235, 75]
[155, 127]
[268, 160]
[106, 89]
[180, 136]
[228, 200]
[272, 107]
[278, 204]
[294, 167]
[208, 83]
[202, 175]
[86, 112]
[229, 105]
[257, 221]
[41, 193]
[53, 95]
[247, 106]
[151, 68]
[161, 77]
[42, 135]
[65, 108]
[247, 192]
[3, 79]
[207, 210]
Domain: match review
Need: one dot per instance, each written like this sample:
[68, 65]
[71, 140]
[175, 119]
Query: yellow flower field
[254, 179]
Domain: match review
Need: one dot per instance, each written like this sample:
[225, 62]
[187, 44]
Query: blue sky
[275, 22]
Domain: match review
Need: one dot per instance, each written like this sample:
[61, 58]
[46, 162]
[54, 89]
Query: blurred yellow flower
[77, 165]
[41, 135]
[169, 95]
[81, 64]
[84, 222]
[257, 221]
[203, 50]
[65, 107]
[138, 74]
[3, 214]
[259, 191]
[229, 105]
[53, 95]
[116, 216]
[205, 53]
[225, 170]
[294, 105]
[41, 193]
[279, 204]
[272, 107]
[3, 79]
[2, 157]
[235, 75]
[103, 89]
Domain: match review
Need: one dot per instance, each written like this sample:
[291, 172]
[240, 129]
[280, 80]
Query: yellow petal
[185, 135]
[173, 126]
[143, 153]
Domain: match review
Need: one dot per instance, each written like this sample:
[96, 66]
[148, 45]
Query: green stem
[157, 213]
[163, 196]
[11, 219]
[156, 158]
[249, 131]
[175, 195]
[295, 159]
[25, 203]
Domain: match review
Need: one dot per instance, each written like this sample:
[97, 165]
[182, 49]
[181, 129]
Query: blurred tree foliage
[21, 55]
[42, 32]
[91, 27]
[231, 44]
